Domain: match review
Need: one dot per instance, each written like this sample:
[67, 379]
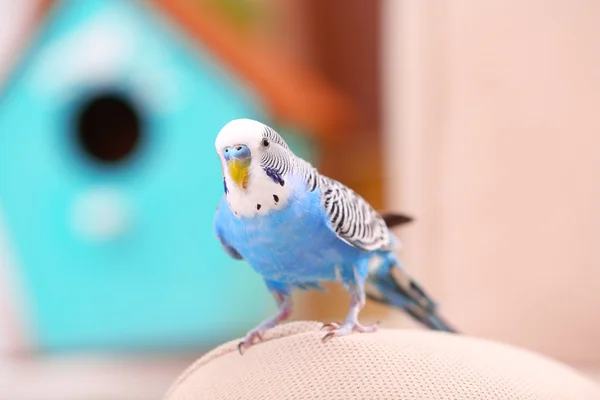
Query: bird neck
[263, 194]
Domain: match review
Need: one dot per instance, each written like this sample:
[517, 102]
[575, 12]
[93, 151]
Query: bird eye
[265, 143]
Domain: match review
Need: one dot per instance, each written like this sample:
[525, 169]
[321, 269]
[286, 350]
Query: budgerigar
[298, 228]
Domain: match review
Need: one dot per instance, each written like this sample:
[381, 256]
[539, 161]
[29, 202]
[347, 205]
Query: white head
[247, 149]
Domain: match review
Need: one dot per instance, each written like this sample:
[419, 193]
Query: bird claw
[251, 338]
[346, 329]
[328, 336]
[331, 326]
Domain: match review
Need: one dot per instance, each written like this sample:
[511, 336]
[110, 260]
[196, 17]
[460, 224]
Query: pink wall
[14, 18]
[493, 119]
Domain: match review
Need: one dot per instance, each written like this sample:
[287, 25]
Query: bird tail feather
[391, 284]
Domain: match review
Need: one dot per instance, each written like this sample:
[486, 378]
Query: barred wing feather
[352, 218]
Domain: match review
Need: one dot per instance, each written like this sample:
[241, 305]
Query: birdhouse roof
[292, 93]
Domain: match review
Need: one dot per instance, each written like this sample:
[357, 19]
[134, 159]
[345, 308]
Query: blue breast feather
[293, 245]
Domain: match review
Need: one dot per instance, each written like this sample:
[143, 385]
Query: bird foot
[347, 328]
[254, 336]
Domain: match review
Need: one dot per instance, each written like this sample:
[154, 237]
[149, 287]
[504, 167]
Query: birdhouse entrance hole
[108, 127]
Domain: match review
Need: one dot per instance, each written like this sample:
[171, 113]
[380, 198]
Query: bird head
[239, 143]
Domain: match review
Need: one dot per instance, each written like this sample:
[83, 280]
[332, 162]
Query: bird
[298, 228]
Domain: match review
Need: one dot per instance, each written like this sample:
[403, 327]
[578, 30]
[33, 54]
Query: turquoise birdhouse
[109, 178]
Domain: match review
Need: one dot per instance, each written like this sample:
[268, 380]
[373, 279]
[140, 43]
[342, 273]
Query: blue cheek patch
[274, 175]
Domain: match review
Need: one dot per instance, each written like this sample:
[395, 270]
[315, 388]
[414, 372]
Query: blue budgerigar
[298, 228]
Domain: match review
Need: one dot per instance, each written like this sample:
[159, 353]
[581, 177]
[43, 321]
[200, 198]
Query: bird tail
[391, 284]
[395, 219]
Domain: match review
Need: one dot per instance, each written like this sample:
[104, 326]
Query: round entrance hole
[108, 128]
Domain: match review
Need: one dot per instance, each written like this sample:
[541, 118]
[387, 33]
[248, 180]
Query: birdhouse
[109, 178]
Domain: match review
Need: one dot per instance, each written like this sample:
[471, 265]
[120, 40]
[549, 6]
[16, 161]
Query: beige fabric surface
[292, 363]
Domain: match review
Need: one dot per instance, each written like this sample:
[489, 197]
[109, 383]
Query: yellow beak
[238, 169]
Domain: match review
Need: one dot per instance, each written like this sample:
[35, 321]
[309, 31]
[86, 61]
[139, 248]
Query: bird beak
[238, 162]
[238, 169]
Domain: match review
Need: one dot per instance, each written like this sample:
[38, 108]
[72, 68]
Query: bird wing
[219, 233]
[352, 218]
[229, 249]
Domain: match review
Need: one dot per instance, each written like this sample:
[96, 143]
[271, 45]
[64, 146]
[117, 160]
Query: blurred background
[477, 118]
